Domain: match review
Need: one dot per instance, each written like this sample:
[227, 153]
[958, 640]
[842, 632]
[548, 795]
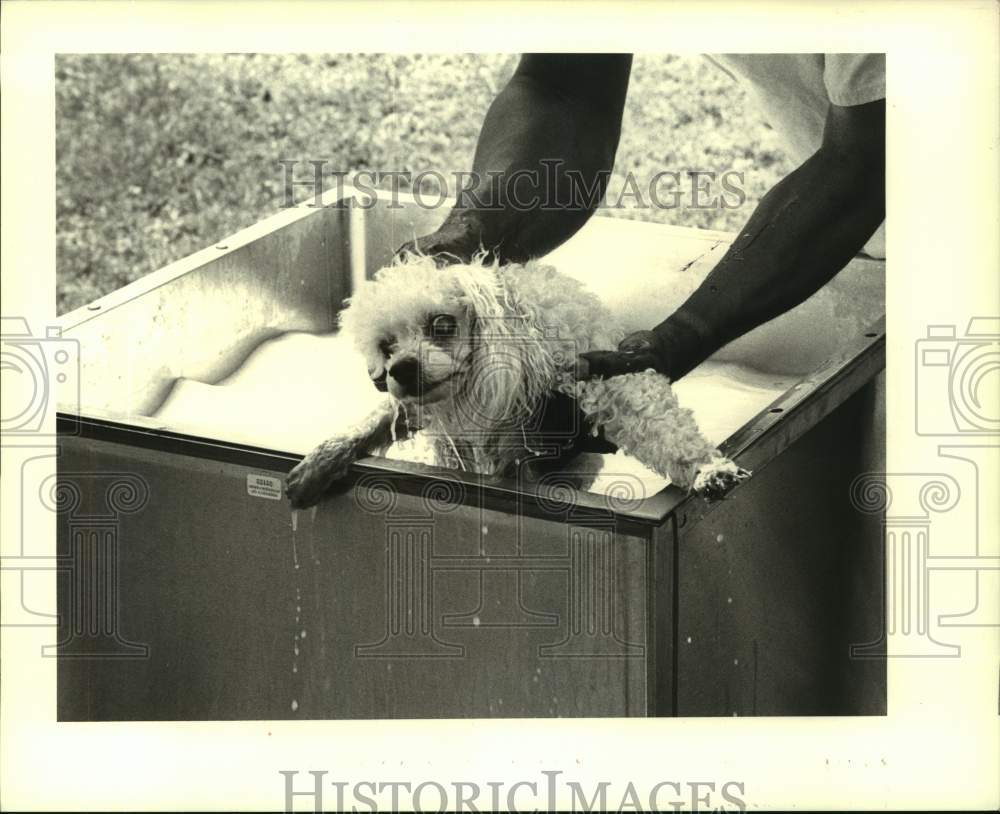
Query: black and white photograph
[566, 452]
[439, 389]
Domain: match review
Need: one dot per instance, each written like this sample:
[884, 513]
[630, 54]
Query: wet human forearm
[802, 233]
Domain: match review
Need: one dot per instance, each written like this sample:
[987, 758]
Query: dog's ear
[510, 369]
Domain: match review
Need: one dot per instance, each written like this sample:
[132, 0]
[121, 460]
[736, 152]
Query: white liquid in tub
[297, 389]
[290, 393]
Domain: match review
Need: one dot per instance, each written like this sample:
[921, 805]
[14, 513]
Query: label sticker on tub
[260, 485]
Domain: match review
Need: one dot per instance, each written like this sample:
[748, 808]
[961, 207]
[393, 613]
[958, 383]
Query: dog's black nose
[406, 372]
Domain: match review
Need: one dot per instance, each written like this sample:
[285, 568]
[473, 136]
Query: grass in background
[158, 156]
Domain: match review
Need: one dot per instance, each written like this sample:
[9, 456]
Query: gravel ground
[159, 156]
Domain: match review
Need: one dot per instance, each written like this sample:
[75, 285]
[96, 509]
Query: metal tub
[190, 591]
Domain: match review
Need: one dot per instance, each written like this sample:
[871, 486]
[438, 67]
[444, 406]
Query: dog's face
[416, 325]
[424, 358]
[431, 335]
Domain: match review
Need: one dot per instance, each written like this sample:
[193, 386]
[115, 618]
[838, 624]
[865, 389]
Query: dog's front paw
[319, 471]
[717, 478]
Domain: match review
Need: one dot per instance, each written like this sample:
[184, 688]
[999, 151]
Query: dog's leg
[640, 414]
[329, 462]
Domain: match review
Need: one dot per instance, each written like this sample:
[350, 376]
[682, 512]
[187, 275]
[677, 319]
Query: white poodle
[481, 358]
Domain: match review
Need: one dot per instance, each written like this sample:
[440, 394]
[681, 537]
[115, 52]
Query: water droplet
[729, 600]
[295, 668]
[475, 621]
[736, 662]
[295, 520]
[689, 640]
[303, 634]
[720, 537]
[295, 705]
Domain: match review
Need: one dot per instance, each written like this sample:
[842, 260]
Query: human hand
[636, 352]
[455, 241]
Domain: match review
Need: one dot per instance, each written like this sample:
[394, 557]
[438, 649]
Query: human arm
[805, 230]
[551, 132]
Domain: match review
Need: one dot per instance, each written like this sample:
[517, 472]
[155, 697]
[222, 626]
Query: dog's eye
[385, 347]
[443, 326]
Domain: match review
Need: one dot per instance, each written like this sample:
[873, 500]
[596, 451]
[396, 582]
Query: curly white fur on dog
[512, 336]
